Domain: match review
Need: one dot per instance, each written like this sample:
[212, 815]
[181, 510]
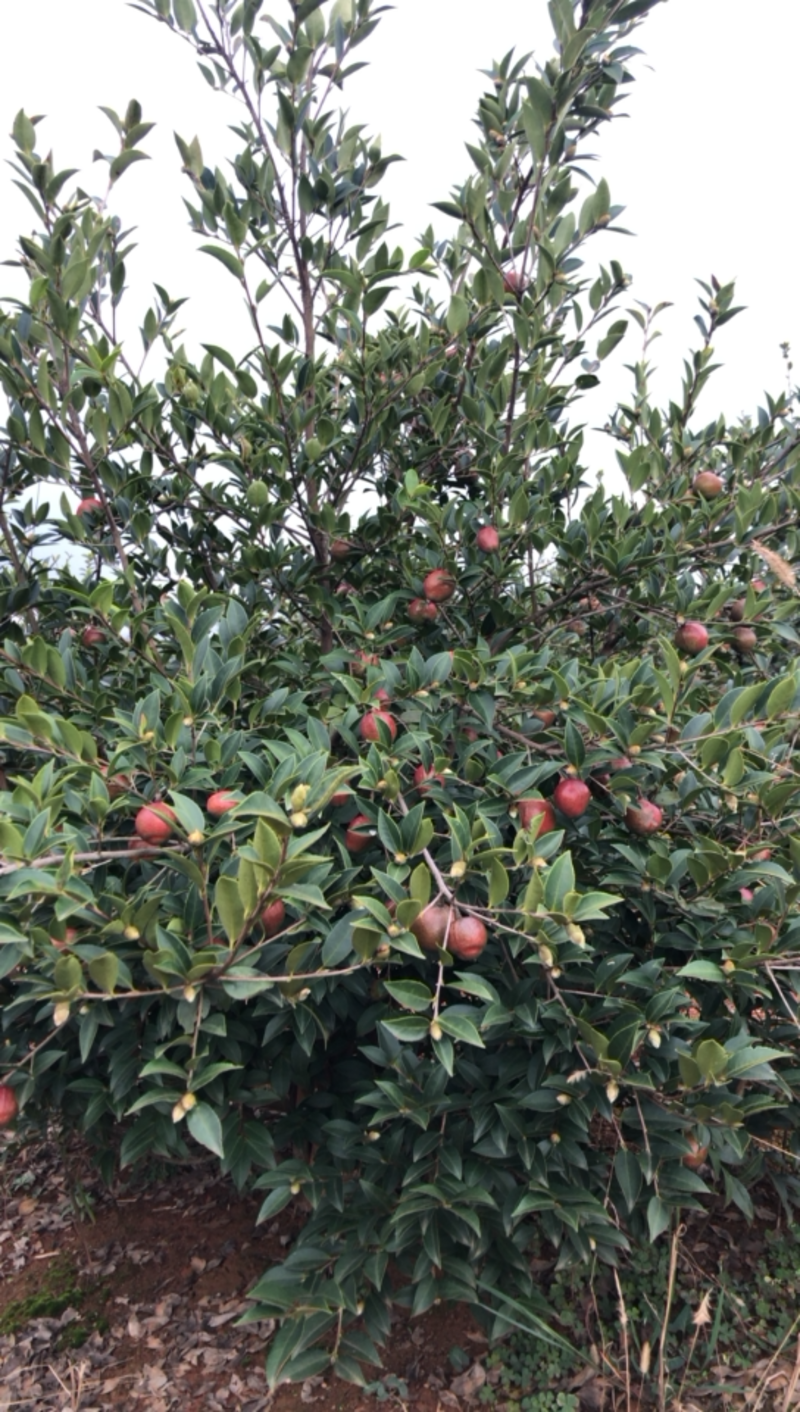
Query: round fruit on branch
[691, 637]
[745, 639]
[89, 506]
[220, 802]
[468, 938]
[273, 917]
[530, 809]
[572, 797]
[9, 1107]
[438, 585]
[420, 610]
[708, 484]
[359, 833]
[154, 823]
[424, 778]
[370, 725]
[430, 927]
[487, 539]
[644, 818]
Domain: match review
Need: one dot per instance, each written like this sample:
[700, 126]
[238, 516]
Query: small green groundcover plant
[387, 809]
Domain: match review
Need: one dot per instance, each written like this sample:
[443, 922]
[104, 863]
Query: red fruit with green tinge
[91, 636]
[340, 549]
[746, 894]
[424, 778]
[691, 637]
[468, 937]
[708, 484]
[9, 1106]
[487, 539]
[90, 506]
[438, 585]
[513, 282]
[530, 809]
[220, 802]
[340, 797]
[420, 610]
[273, 917]
[746, 639]
[370, 725]
[430, 926]
[698, 1154]
[154, 823]
[363, 660]
[571, 797]
[358, 836]
[644, 818]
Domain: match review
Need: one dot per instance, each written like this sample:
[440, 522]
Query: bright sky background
[704, 166]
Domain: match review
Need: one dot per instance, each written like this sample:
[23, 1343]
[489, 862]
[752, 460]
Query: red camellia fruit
[359, 834]
[90, 506]
[708, 484]
[91, 636]
[644, 817]
[273, 917]
[340, 797]
[430, 926]
[546, 716]
[698, 1154]
[363, 660]
[220, 802]
[736, 610]
[154, 822]
[513, 282]
[70, 937]
[420, 610]
[487, 539]
[438, 585]
[530, 809]
[746, 894]
[370, 728]
[571, 797]
[468, 937]
[424, 778]
[340, 549]
[746, 639]
[691, 637]
[9, 1107]
[383, 696]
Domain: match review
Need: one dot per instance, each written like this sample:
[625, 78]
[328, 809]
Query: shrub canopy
[242, 602]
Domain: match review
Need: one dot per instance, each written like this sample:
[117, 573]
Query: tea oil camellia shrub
[446, 1034]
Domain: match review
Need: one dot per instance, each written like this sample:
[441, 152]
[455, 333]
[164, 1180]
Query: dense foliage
[216, 579]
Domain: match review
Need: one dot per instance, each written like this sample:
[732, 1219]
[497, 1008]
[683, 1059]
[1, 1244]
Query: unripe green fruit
[257, 494]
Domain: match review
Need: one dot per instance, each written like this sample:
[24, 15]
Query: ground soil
[155, 1277]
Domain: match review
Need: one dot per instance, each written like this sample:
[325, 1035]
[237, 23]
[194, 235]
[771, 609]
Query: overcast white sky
[705, 164]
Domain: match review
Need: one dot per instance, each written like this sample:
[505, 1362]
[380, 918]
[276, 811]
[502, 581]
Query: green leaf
[559, 881]
[206, 1128]
[781, 697]
[498, 883]
[461, 1027]
[104, 971]
[457, 314]
[68, 974]
[226, 258]
[703, 971]
[185, 14]
[229, 907]
[412, 995]
[126, 159]
[629, 1175]
[659, 1217]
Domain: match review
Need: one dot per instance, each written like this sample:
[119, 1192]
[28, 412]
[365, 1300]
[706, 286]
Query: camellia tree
[387, 810]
